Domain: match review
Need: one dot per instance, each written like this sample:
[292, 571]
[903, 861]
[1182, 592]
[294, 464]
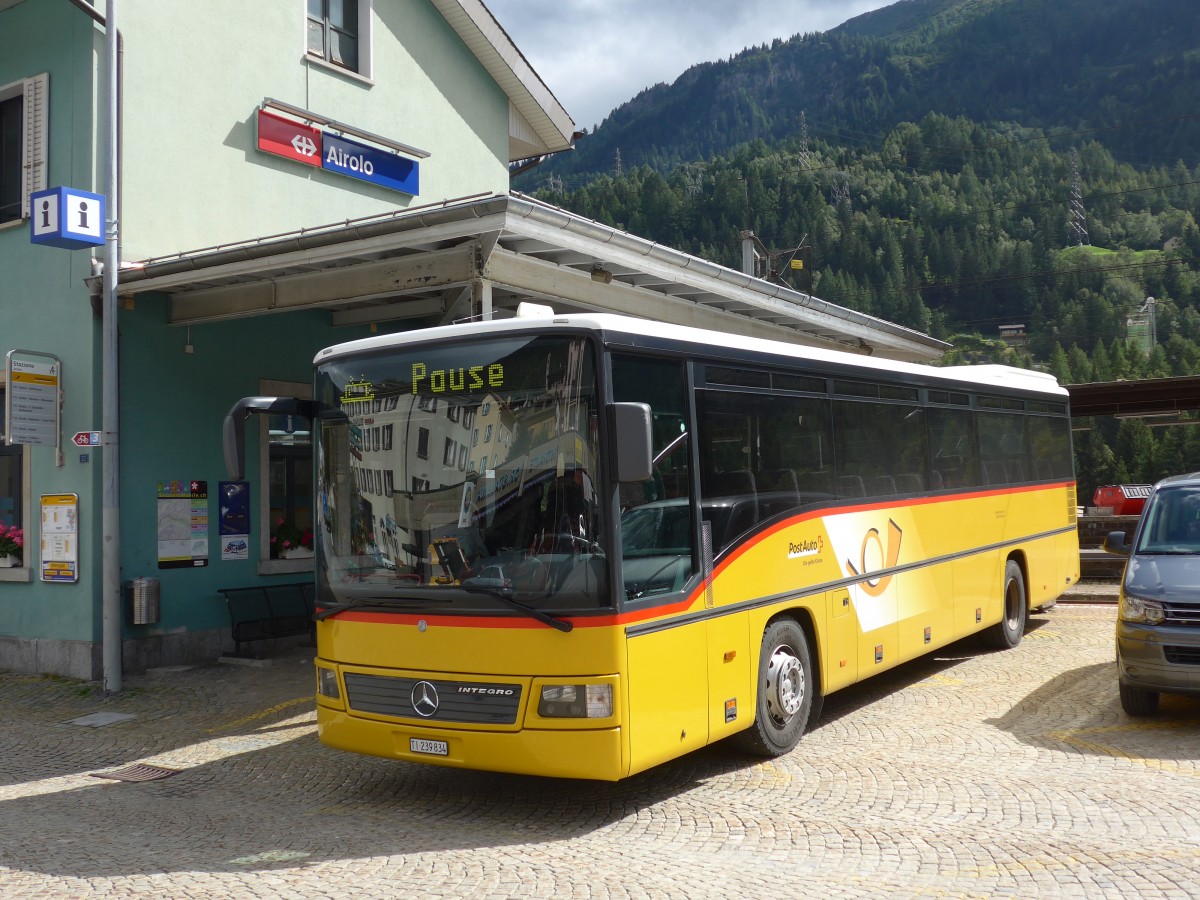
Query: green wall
[45, 306]
[172, 407]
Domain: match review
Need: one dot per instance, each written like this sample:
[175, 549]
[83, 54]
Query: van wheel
[1138, 702]
[785, 692]
[1007, 633]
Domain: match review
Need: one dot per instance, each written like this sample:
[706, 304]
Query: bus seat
[781, 481]
[851, 486]
[994, 472]
[936, 481]
[909, 483]
[883, 485]
[816, 482]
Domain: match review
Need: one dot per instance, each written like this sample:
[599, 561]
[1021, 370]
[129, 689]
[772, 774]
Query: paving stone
[968, 773]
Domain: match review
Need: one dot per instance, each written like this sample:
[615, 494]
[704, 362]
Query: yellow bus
[583, 545]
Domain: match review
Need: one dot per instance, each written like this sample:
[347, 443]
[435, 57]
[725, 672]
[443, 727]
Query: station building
[292, 175]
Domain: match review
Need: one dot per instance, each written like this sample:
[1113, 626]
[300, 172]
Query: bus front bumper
[595, 754]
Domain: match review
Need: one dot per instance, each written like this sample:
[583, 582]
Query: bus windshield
[462, 477]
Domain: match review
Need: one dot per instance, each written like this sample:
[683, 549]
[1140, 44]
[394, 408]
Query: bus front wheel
[1007, 633]
[785, 692]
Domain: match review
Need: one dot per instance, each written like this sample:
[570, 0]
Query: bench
[269, 611]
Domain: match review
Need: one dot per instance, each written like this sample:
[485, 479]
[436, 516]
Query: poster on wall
[182, 524]
[233, 519]
[60, 537]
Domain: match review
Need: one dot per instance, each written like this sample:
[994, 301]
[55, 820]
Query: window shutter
[34, 138]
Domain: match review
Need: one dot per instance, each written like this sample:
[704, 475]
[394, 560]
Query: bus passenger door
[668, 694]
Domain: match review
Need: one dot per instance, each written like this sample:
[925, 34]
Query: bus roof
[611, 325]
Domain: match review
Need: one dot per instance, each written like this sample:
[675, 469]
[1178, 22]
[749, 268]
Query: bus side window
[656, 515]
[762, 457]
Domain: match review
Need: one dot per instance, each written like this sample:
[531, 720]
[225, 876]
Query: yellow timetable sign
[60, 537]
[34, 378]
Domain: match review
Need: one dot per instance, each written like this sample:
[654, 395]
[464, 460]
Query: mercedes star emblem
[424, 699]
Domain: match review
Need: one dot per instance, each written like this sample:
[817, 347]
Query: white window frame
[366, 30]
[23, 572]
[35, 108]
[266, 565]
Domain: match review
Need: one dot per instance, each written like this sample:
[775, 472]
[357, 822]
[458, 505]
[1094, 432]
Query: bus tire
[784, 699]
[1006, 633]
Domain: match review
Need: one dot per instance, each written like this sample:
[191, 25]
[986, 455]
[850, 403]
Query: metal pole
[111, 568]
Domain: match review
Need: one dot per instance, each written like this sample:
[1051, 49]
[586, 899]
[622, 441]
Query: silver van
[1158, 619]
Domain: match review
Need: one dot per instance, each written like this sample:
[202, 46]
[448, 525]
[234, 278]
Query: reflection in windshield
[464, 471]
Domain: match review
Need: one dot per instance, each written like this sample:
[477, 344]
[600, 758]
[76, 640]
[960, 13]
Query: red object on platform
[1125, 499]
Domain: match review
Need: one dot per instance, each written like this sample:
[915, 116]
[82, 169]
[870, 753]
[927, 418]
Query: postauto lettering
[441, 381]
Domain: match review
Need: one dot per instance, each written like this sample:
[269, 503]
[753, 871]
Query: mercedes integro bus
[582, 545]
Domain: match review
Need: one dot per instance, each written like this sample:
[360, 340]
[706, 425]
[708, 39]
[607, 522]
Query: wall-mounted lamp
[187, 345]
[601, 274]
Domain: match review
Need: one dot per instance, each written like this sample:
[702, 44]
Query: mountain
[1127, 71]
[969, 168]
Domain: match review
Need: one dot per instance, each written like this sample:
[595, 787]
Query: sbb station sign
[314, 147]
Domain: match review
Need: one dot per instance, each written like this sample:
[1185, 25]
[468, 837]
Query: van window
[1172, 522]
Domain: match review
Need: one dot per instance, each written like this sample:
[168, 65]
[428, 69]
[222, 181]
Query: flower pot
[8, 561]
[296, 553]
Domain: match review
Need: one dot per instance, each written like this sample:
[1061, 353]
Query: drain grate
[138, 772]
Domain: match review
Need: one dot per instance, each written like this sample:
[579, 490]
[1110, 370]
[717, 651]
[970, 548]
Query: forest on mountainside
[923, 162]
[955, 228]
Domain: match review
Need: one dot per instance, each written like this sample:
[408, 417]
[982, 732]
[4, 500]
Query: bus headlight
[1137, 611]
[576, 701]
[327, 683]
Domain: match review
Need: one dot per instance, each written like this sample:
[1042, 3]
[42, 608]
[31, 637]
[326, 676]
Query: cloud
[596, 54]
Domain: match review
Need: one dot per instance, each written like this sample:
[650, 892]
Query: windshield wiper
[544, 617]
[359, 602]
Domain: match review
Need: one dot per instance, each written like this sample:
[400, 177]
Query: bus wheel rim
[1012, 605]
[785, 684]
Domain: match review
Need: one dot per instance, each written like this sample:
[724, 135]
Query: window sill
[17, 574]
[340, 70]
[13, 223]
[286, 566]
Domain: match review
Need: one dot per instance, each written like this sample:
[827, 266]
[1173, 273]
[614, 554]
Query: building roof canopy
[1149, 398]
[440, 263]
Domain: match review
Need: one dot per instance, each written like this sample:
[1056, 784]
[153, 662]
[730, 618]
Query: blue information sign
[369, 163]
[67, 218]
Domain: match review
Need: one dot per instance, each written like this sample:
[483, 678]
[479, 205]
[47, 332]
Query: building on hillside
[1014, 335]
[288, 182]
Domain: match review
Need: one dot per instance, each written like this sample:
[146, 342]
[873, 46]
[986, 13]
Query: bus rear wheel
[1007, 633]
[785, 692]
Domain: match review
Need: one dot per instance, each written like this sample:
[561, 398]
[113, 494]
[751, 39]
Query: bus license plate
[435, 748]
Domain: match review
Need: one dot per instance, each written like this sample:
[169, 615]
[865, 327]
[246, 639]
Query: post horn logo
[874, 587]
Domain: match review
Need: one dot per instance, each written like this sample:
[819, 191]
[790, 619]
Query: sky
[596, 54]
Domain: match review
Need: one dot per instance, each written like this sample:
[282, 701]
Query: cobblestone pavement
[967, 774]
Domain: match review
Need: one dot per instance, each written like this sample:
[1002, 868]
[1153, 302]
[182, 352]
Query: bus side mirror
[632, 442]
[233, 434]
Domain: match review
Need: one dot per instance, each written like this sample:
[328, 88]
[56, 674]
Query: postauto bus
[582, 545]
